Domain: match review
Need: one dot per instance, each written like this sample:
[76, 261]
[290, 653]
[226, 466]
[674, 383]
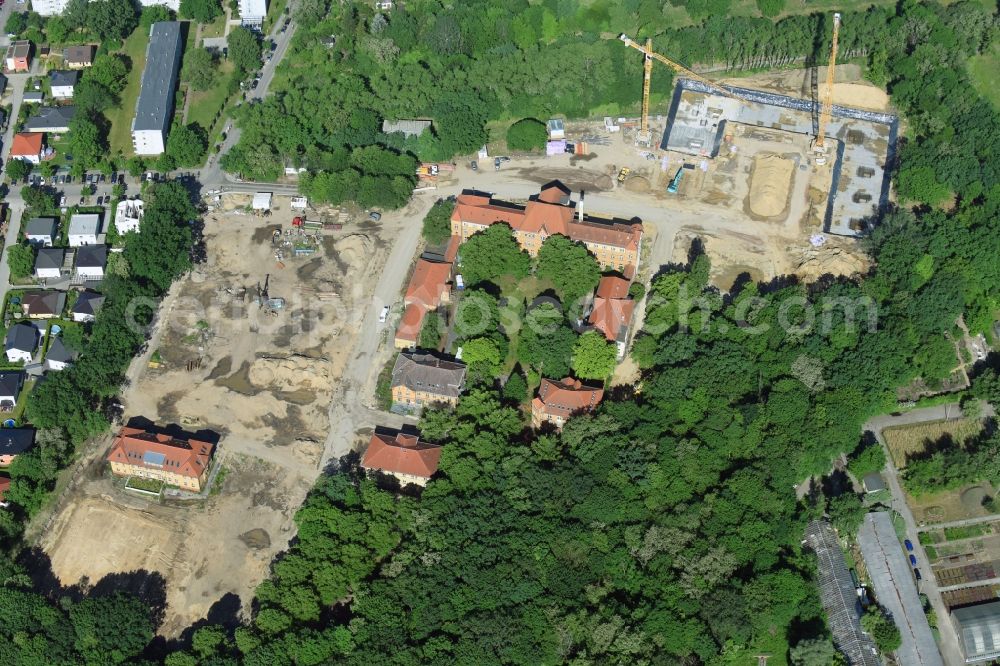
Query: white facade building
[84, 229]
[49, 7]
[128, 215]
[252, 13]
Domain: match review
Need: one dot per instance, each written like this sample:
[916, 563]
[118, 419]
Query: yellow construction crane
[650, 55]
[826, 98]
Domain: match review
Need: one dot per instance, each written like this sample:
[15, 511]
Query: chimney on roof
[406, 440]
[580, 208]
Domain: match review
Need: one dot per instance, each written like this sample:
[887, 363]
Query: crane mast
[647, 75]
[651, 55]
[826, 99]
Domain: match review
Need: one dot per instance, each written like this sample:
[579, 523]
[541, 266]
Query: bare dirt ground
[202, 551]
[849, 89]
[265, 377]
[261, 376]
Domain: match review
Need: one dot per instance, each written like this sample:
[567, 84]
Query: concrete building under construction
[703, 122]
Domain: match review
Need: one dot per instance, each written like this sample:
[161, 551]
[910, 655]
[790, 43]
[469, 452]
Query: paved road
[212, 176]
[960, 523]
[949, 643]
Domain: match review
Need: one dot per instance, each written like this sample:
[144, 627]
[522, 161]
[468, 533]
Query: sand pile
[831, 258]
[353, 249]
[290, 374]
[858, 95]
[770, 182]
[637, 184]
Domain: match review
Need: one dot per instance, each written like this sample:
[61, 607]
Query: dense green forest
[662, 528]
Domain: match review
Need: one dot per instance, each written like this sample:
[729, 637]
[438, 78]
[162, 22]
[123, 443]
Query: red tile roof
[612, 287]
[410, 323]
[451, 252]
[134, 446]
[611, 316]
[546, 213]
[554, 192]
[26, 144]
[429, 284]
[400, 453]
[565, 398]
[612, 307]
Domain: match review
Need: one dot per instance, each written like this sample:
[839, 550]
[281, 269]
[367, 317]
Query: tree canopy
[527, 134]
[202, 11]
[491, 254]
[569, 266]
[437, 222]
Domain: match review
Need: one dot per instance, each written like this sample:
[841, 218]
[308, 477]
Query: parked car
[253, 86]
[81, 201]
[623, 174]
[496, 164]
[62, 201]
[913, 560]
[916, 573]
[100, 201]
[101, 178]
[375, 216]
[384, 315]
[908, 544]
[473, 165]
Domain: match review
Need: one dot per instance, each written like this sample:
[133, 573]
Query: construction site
[252, 345]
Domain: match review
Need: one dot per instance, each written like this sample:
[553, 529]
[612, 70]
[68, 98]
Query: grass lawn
[967, 532]
[983, 72]
[214, 29]
[205, 104]
[120, 136]
[147, 485]
[958, 504]
[904, 441]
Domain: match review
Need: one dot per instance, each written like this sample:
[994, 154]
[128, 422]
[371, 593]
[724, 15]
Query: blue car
[913, 560]
[909, 545]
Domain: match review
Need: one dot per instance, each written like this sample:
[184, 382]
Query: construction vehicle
[623, 174]
[675, 181]
[307, 225]
[644, 134]
[826, 98]
[427, 170]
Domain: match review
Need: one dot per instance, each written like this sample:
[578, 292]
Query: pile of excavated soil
[290, 374]
[354, 249]
[770, 182]
[834, 258]
[858, 95]
[637, 184]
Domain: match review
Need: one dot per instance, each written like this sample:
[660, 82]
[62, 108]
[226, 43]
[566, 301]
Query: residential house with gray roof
[54, 119]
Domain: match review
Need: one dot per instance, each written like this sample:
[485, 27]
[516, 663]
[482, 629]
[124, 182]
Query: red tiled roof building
[178, 462]
[403, 456]
[615, 243]
[557, 401]
[613, 311]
